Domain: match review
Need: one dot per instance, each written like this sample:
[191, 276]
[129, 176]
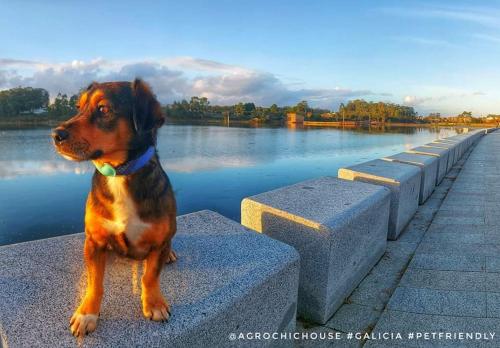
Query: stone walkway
[441, 275]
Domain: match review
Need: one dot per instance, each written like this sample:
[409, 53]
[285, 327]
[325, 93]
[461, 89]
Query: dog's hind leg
[84, 320]
[154, 304]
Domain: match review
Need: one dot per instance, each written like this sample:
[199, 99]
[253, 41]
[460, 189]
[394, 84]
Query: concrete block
[451, 154]
[227, 280]
[402, 179]
[453, 146]
[441, 153]
[462, 141]
[466, 140]
[339, 228]
[428, 167]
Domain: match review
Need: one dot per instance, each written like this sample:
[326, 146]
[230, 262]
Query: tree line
[35, 101]
[199, 108]
[376, 111]
[19, 100]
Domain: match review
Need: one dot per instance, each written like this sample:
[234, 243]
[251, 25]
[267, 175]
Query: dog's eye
[104, 109]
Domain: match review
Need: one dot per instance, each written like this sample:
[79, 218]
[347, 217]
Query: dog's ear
[146, 112]
[89, 87]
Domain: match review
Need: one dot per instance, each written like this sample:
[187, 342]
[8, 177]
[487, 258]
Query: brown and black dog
[131, 207]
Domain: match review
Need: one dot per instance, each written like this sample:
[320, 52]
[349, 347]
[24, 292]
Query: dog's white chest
[125, 217]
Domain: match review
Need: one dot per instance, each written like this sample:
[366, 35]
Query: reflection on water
[210, 167]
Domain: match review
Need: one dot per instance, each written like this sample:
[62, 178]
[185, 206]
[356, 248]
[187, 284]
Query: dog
[131, 207]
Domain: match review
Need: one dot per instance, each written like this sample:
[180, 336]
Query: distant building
[294, 118]
[39, 111]
[35, 111]
[493, 118]
[328, 115]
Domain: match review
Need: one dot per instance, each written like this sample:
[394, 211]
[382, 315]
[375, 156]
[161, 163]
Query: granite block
[452, 147]
[402, 179]
[339, 228]
[227, 279]
[428, 166]
[441, 153]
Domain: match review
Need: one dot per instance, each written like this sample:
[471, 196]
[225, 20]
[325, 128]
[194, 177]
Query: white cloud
[422, 102]
[16, 62]
[423, 41]
[411, 100]
[198, 64]
[488, 38]
[221, 83]
[484, 16]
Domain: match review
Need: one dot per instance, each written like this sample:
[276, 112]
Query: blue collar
[129, 167]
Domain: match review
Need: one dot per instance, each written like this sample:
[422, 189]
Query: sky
[435, 56]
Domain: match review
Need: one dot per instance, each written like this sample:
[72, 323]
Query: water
[43, 195]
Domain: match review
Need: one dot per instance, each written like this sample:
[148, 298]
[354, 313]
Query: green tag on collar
[106, 170]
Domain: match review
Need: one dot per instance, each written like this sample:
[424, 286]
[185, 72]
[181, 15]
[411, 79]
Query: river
[210, 167]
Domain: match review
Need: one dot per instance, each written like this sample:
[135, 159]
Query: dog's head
[115, 122]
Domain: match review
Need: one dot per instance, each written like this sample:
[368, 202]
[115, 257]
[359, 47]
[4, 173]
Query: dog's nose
[59, 135]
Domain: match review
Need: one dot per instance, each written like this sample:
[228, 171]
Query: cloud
[15, 62]
[423, 41]
[173, 79]
[478, 93]
[10, 78]
[488, 38]
[411, 100]
[198, 64]
[484, 16]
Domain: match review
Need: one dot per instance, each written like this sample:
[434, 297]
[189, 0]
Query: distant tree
[302, 107]
[239, 109]
[63, 106]
[249, 108]
[362, 110]
[273, 109]
[200, 107]
[22, 100]
[466, 114]
[73, 101]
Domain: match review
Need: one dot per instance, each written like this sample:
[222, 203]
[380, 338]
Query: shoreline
[42, 122]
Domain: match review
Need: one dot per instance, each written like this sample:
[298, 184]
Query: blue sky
[435, 56]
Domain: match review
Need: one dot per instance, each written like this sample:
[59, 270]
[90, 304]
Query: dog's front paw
[171, 257]
[82, 324]
[156, 308]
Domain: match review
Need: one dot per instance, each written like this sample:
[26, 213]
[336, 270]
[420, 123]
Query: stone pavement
[443, 272]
